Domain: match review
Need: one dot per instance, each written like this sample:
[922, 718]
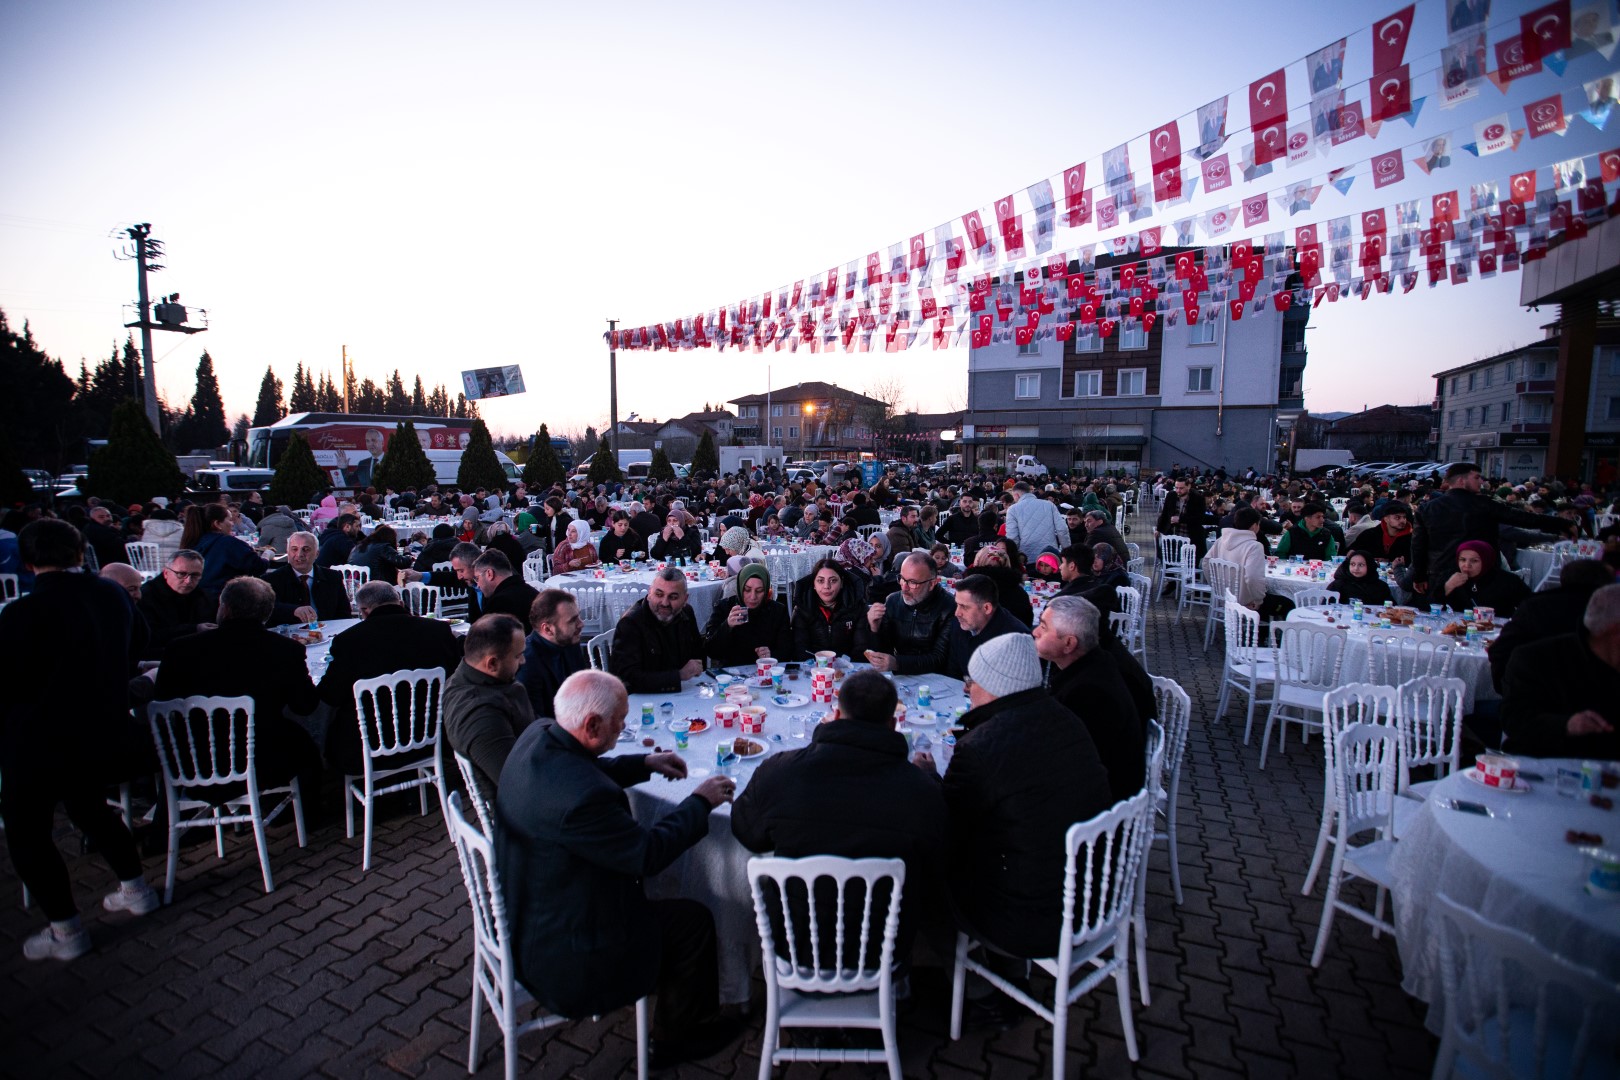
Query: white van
[1028, 466]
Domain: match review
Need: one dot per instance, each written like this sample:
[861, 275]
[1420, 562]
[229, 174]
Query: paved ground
[347, 975]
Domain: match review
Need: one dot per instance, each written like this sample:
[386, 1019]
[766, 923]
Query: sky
[441, 187]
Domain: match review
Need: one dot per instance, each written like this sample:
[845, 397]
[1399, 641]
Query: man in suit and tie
[358, 475]
[304, 591]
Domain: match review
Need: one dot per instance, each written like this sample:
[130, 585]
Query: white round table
[1514, 868]
[1470, 663]
[1289, 579]
[715, 872]
[701, 595]
[1539, 561]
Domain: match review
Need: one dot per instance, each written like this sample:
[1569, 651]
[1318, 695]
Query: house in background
[809, 420]
[1383, 433]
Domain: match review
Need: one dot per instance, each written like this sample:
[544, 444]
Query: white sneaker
[46, 945]
[139, 901]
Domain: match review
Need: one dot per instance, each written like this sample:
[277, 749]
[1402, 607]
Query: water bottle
[947, 748]
[922, 744]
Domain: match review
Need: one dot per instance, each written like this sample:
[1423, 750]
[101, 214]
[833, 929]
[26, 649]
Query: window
[1535, 413]
[849, 431]
[776, 411]
[1200, 380]
[1488, 376]
[1088, 384]
[1084, 342]
[1032, 349]
[1026, 386]
[776, 433]
[1471, 380]
[1473, 415]
[1507, 412]
[1132, 337]
[1133, 382]
[750, 411]
[1451, 418]
[1202, 332]
[1614, 363]
[1539, 369]
[1454, 386]
[793, 433]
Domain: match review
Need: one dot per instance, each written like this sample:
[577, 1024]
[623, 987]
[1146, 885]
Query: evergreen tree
[438, 402]
[418, 399]
[660, 469]
[542, 469]
[480, 468]
[367, 399]
[133, 466]
[38, 411]
[398, 404]
[239, 430]
[298, 479]
[207, 428]
[706, 459]
[327, 398]
[303, 391]
[604, 466]
[347, 393]
[405, 465]
[269, 410]
[460, 410]
[15, 490]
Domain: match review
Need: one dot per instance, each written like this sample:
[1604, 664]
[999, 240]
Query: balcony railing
[1535, 386]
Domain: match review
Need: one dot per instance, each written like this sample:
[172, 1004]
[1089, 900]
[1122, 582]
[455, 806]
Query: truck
[1310, 460]
[1027, 465]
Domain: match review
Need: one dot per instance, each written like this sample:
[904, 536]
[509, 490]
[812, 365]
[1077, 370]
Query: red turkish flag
[1127, 278]
[1185, 264]
[1065, 331]
[1268, 101]
[1373, 223]
[1512, 216]
[980, 340]
[1392, 94]
[1271, 143]
[919, 252]
[1545, 30]
[1546, 117]
[1282, 301]
[1077, 286]
[1007, 221]
[1148, 320]
[1246, 289]
[1590, 197]
[1106, 328]
[973, 226]
[1023, 335]
[1088, 314]
[1076, 200]
[1609, 161]
[1389, 36]
[1164, 148]
[1241, 252]
[1522, 187]
[1236, 307]
[1445, 207]
[1388, 169]
[1137, 305]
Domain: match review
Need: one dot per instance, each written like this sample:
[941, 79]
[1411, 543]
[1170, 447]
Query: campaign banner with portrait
[492, 382]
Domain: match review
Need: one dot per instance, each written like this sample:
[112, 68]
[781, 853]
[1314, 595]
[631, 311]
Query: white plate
[1519, 786]
[790, 701]
[922, 717]
[764, 747]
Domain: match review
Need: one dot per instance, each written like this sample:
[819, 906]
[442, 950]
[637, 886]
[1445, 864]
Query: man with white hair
[1035, 524]
[305, 591]
[1086, 681]
[657, 644]
[573, 861]
[1561, 696]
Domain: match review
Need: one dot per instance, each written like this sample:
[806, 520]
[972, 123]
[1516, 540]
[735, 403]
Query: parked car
[1370, 467]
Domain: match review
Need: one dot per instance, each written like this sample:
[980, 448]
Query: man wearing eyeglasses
[173, 604]
[909, 633]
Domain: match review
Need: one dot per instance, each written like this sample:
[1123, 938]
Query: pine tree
[460, 410]
[208, 428]
[418, 399]
[706, 459]
[39, 414]
[367, 399]
[480, 468]
[604, 466]
[542, 469]
[327, 398]
[268, 410]
[438, 402]
[239, 430]
[399, 403]
[298, 479]
[660, 469]
[303, 391]
[347, 393]
[133, 466]
[405, 466]
[15, 490]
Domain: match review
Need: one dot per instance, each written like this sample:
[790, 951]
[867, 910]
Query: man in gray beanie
[1024, 772]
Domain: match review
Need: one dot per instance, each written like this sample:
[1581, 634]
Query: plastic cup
[682, 730]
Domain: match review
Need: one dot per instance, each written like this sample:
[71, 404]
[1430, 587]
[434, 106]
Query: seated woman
[208, 532]
[680, 537]
[1480, 581]
[827, 610]
[733, 549]
[577, 552]
[860, 558]
[823, 533]
[621, 541]
[750, 624]
[1356, 579]
[993, 563]
[379, 552]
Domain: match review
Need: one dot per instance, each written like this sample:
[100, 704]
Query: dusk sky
[441, 187]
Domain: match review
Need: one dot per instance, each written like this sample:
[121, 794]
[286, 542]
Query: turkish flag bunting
[1164, 149]
[919, 252]
[1268, 101]
[1590, 197]
[1388, 169]
[1137, 305]
[1246, 289]
[1024, 335]
[1522, 187]
[1271, 143]
[1512, 215]
[1065, 331]
[1184, 266]
[1077, 286]
[975, 301]
[973, 226]
[1106, 328]
[1236, 307]
[980, 340]
[1088, 314]
[1609, 161]
[1076, 200]
[1241, 252]
[1392, 94]
[1012, 229]
[1389, 36]
[1545, 30]
[985, 324]
[1148, 320]
[1282, 301]
[1576, 229]
[1373, 222]
[1127, 278]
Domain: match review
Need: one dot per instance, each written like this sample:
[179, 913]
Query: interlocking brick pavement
[344, 974]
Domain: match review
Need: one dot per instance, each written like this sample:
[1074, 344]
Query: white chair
[9, 589]
[1512, 1008]
[1133, 552]
[1223, 576]
[1308, 663]
[1169, 569]
[1249, 666]
[1101, 870]
[1364, 765]
[208, 742]
[1193, 592]
[482, 806]
[588, 597]
[400, 718]
[1394, 660]
[1135, 566]
[1313, 598]
[353, 577]
[303, 516]
[422, 600]
[1357, 703]
[864, 531]
[493, 978]
[1135, 630]
[1154, 777]
[600, 650]
[1430, 714]
[145, 557]
[836, 976]
[535, 567]
[1175, 716]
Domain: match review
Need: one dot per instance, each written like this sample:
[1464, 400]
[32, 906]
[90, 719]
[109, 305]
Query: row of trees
[365, 396]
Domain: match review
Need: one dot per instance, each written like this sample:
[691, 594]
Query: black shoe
[706, 1041]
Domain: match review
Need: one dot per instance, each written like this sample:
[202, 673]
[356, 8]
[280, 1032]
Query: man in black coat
[241, 658]
[338, 540]
[852, 793]
[1086, 681]
[304, 591]
[105, 538]
[1548, 614]
[388, 639]
[573, 859]
[552, 651]
[656, 644]
[1459, 514]
[500, 591]
[1561, 696]
[1185, 514]
[979, 618]
[174, 605]
[910, 632]
[437, 550]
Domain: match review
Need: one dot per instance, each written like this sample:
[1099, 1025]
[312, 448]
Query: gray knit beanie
[1006, 665]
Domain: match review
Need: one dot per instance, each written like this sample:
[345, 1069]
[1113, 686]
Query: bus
[348, 446]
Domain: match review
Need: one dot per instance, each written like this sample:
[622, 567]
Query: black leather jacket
[918, 636]
[1457, 516]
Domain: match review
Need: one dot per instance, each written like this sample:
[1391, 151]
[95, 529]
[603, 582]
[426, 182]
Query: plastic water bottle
[925, 696]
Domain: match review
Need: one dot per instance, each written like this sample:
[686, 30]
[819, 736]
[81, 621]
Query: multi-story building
[1497, 412]
[1217, 393]
[809, 419]
[1383, 433]
[677, 437]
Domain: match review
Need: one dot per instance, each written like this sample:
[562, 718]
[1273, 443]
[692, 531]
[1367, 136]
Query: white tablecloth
[1538, 561]
[1514, 868]
[715, 872]
[1468, 663]
[1283, 580]
[701, 595]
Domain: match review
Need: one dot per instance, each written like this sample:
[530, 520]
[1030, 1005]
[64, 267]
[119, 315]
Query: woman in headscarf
[577, 551]
[733, 549]
[827, 610]
[749, 625]
[1357, 579]
[500, 537]
[1480, 581]
[859, 558]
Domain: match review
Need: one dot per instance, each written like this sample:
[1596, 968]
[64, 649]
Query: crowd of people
[1056, 733]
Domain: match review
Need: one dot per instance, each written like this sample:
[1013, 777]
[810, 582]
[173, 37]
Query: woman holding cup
[749, 625]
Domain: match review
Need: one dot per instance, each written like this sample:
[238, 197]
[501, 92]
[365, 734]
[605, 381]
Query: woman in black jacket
[749, 625]
[1356, 579]
[621, 541]
[1480, 581]
[380, 554]
[827, 611]
[993, 563]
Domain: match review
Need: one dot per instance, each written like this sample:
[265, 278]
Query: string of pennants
[847, 308]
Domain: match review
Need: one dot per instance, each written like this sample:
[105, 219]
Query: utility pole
[613, 392]
[141, 234]
[346, 405]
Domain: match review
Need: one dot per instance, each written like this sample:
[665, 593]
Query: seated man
[388, 639]
[552, 651]
[276, 527]
[979, 618]
[852, 793]
[1308, 537]
[437, 549]
[1099, 530]
[1547, 614]
[1561, 696]
[1075, 564]
[1391, 540]
[1025, 771]
[573, 859]
[338, 540]
[751, 624]
[1085, 680]
[656, 644]
[909, 633]
[485, 707]
[304, 591]
[242, 658]
[500, 591]
[173, 605]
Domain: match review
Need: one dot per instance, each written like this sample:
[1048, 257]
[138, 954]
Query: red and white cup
[1497, 771]
[726, 715]
[752, 719]
[763, 667]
